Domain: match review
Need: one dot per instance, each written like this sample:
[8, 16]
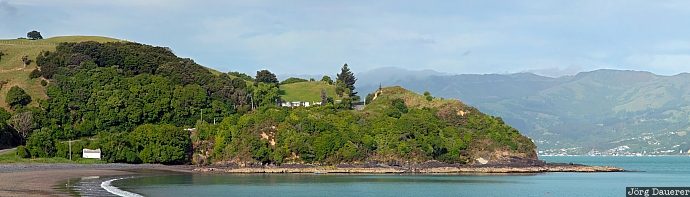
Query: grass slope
[10, 157]
[13, 70]
[411, 99]
[307, 91]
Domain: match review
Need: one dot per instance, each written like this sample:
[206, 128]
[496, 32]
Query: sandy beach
[44, 179]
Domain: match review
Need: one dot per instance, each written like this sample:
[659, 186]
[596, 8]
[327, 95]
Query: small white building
[91, 154]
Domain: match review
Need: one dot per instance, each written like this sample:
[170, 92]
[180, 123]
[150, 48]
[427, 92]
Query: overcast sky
[314, 37]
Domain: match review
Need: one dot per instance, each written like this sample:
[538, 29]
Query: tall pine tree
[348, 79]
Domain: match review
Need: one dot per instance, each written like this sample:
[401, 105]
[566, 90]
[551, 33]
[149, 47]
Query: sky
[551, 38]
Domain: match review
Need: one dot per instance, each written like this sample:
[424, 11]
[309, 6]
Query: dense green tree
[34, 35]
[348, 79]
[327, 79]
[162, 144]
[41, 144]
[266, 95]
[35, 74]
[265, 76]
[17, 97]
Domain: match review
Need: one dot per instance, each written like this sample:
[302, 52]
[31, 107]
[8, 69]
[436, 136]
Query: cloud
[7, 9]
[551, 38]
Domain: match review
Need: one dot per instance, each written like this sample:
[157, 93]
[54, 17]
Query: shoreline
[479, 169]
[49, 179]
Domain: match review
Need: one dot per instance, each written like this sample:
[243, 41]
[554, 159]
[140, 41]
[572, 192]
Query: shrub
[62, 148]
[35, 74]
[17, 97]
[44, 83]
[41, 144]
[22, 152]
[428, 96]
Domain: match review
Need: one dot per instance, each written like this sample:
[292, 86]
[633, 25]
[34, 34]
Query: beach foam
[117, 191]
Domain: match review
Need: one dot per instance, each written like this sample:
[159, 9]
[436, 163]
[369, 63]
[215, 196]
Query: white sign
[91, 154]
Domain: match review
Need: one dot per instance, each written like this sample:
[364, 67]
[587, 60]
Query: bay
[660, 171]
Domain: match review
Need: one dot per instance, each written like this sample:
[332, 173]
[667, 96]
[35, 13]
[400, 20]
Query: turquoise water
[649, 171]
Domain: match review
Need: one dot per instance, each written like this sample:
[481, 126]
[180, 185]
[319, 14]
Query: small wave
[117, 191]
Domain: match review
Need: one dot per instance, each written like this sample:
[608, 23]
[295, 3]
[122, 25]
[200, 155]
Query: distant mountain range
[608, 112]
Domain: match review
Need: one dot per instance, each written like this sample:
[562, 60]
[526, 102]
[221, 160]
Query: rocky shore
[430, 169]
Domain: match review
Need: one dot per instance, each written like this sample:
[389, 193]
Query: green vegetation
[327, 79]
[135, 102]
[265, 76]
[292, 80]
[388, 130]
[11, 157]
[34, 35]
[17, 98]
[345, 82]
[97, 89]
[13, 72]
[147, 144]
[307, 91]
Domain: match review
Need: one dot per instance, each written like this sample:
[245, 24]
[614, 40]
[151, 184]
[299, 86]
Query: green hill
[134, 99]
[486, 137]
[307, 91]
[13, 70]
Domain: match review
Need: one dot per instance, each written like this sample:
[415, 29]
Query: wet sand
[45, 179]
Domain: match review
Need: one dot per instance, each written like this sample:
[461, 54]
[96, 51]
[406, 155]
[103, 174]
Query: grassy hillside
[486, 136]
[13, 70]
[307, 91]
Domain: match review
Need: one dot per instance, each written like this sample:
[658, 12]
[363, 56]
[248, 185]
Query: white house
[91, 154]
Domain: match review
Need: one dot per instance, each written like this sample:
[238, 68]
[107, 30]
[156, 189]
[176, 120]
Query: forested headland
[143, 104]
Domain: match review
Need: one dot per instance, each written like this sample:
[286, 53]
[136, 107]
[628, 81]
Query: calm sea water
[650, 171]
